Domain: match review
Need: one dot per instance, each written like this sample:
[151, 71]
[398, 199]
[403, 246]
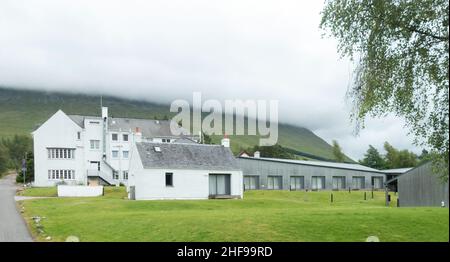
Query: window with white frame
[125, 137]
[78, 135]
[125, 154]
[60, 153]
[125, 175]
[115, 175]
[114, 137]
[115, 154]
[95, 144]
[61, 174]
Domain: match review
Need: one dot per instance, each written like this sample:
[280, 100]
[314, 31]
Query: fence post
[365, 195]
[331, 197]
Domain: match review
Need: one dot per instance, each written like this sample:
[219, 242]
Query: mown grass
[260, 216]
[39, 192]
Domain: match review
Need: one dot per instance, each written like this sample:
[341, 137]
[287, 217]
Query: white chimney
[138, 135]
[225, 141]
[104, 112]
[256, 154]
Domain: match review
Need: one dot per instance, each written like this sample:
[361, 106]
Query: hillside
[21, 111]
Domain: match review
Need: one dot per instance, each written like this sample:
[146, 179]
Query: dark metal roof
[186, 156]
[150, 128]
[347, 166]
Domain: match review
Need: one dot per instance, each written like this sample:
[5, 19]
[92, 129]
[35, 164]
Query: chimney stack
[138, 134]
[257, 154]
[225, 141]
[104, 112]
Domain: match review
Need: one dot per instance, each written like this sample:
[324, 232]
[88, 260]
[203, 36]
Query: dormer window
[114, 137]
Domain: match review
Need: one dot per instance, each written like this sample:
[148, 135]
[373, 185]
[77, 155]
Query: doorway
[219, 184]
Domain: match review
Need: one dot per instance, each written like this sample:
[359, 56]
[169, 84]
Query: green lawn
[39, 191]
[261, 216]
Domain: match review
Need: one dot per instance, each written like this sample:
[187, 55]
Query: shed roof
[397, 170]
[186, 156]
[348, 166]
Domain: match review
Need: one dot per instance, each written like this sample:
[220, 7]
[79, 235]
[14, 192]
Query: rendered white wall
[187, 184]
[79, 191]
[58, 132]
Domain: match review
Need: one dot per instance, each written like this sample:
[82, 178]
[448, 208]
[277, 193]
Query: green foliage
[3, 160]
[17, 147]
[395, 158]
[29, 176]
[275, 151]
[373, 159]
[402, 51]
[337, 152]
[206, 139]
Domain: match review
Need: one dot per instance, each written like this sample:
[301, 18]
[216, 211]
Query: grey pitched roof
[187, 156]
[149, 128]
[356, 167]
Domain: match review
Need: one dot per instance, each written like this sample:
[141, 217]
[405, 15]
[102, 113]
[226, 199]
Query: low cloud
[164, 50]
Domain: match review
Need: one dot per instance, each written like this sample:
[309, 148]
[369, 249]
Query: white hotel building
[91, 150]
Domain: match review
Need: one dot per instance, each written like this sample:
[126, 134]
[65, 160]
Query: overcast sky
[165, 50]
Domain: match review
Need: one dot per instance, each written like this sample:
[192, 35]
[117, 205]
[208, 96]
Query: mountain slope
[22, 111]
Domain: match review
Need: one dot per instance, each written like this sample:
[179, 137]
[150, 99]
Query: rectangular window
[95, 144]
[169, 179]
[115, 175]
[358, 182]
[338, 182]
[125, 175]
[125, 154]
[297, 183]
[114, 137]
[317, 182]
[115, 154]
[251, 182]
[377, 182]
[78, 135]
[63, 174]
[125, 137]
[274, 182]
[61, 153]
